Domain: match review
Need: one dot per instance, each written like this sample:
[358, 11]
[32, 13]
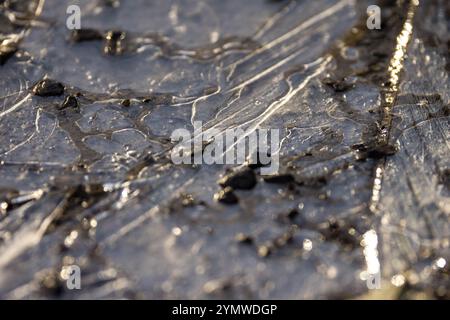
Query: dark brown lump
[244, 179]
[70, 102]
[48, 88]
[86, 35]
[226, 196]
[244, 238]
[376, 151]
[125, 102]
[279, 178]
[7, 49]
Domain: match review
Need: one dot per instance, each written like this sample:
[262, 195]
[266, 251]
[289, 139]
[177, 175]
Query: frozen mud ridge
[86, 176]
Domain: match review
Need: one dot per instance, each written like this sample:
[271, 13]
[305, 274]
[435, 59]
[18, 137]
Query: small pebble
[279, 178]
[264, 251]
[125, 102]
[375, 152]
[86, 35]
[244, 179]
[48, 88]
[70, 102]
[243, 238]
[226, 196]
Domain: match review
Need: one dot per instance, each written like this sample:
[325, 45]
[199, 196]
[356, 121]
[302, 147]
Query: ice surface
[95, 186]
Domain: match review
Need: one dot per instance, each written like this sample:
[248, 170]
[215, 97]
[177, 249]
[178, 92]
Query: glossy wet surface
[87, 178]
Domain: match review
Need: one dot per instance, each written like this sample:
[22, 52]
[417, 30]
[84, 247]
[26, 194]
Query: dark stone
[374, 152]
[48, 88]
[244, 179]
[292, 214]
[86, 35]
[70, 102]
[382, 151]
[279, 178]
[226, 196]
[7, 49]
[125, 102]
[244, 239]
[5, 54]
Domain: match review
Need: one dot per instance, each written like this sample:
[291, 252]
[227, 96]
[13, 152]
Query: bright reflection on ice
[370, 243]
